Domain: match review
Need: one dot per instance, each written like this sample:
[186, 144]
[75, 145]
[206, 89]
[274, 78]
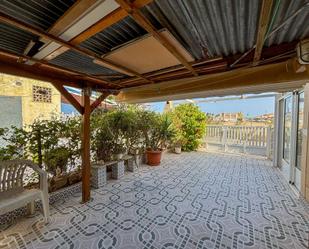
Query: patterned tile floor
[193, 200]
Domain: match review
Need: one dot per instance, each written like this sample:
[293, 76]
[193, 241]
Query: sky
[249, 107]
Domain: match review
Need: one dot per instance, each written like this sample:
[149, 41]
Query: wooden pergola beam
[70, 98]
[136, 14]
[64, 22]
[107, 21]
[73, 13]
[46, 64]
[99, 100]
[14, 22]
[262, 29]
[10, 66]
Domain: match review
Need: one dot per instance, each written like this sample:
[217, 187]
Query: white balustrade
[259, 137]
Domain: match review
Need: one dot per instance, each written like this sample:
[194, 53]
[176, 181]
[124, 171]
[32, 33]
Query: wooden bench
[12, 193]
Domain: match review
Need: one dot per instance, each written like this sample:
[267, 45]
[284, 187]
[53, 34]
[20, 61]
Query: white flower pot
[177, 150]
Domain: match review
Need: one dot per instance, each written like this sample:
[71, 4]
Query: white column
[276, 132]
[305, 147]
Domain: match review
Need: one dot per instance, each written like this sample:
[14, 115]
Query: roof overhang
[277, 77]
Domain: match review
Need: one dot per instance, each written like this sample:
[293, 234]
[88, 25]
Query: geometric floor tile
[192, 200]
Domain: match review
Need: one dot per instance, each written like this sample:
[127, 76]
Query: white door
[286, 137]
[298, 152]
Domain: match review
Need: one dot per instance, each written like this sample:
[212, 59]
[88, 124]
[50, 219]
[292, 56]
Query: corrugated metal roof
[13, 39]
[38, 13]
[115, 35]
[213, 27]
[205, 28]
[224, 27]
[295, 29]
[75, 61]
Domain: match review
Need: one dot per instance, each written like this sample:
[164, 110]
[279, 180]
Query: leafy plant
[16, 141]
[160, 132]
[102, 140]
[56, 160]
[191, 125]
[146, 121]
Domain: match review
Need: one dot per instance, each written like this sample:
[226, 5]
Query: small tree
[193, 125]
[16, 140]
[240, 117]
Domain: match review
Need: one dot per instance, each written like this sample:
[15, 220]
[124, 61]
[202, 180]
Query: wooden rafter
[64, 22]
[46, 64]
[70, 98]
[135, 13]
[99, 100]
[262, 28]
[8, 65]
[73, 13]
[12, 21]
[107, 21]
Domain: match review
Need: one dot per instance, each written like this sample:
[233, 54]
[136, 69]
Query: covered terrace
[160, 50]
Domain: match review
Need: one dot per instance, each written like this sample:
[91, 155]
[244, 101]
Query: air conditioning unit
[303, 51]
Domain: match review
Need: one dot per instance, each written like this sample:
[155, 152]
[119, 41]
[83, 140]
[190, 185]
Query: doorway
[291, 109]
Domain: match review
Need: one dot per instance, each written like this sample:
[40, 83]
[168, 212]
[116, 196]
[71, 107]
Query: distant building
[228, 117]
[24, 100]
[264, 117]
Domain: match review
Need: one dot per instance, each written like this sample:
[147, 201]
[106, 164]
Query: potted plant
[103, 144]
[119, 151]
[178, 142]
[159, 134]
[56, 161]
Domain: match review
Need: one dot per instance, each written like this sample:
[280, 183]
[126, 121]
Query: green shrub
[56, 160]
[190, 124]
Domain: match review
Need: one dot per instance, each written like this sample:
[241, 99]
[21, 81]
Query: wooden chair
[12, 193]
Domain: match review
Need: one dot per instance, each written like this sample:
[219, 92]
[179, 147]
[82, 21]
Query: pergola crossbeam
[12, 21]
[99, 100]
[262, 29]
[70, 98]
[107, 21]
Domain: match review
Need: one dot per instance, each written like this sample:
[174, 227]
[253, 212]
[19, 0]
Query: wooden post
[86, 167]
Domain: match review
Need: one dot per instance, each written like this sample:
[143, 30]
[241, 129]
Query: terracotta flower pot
[154, 157]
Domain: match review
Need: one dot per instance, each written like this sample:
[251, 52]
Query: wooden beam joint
[70, 98]
[99, 100]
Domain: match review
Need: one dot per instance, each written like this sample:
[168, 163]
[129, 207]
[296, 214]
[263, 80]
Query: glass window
[287, 128]
[300, 122]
